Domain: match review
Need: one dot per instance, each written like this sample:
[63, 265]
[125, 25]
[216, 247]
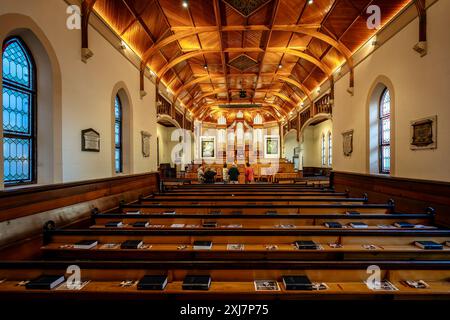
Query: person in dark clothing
[233, 173]
[210, 176]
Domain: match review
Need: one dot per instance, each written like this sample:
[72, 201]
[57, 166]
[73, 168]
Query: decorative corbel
[421, 47]
[86, 9]
[351, 88]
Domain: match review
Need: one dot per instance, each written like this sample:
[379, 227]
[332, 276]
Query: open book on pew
[85, 244]
[169, 212]
[202, 245]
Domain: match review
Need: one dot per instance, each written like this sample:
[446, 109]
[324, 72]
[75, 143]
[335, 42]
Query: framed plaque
[90, 140]
[145, 138]
[347, 144]
[208, 147]
[271, 146]
[424, 133]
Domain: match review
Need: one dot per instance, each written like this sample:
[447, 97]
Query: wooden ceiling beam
[421, 46]
[218, 91]
[184, 57]
[291, 36]
[263, 109]
[287, 28]
[269, 36]
[292, 81]
[137, 16]
[273, 106]
[87, 6]
[218, 17]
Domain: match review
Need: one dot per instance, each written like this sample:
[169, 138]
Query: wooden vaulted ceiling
[278, 51]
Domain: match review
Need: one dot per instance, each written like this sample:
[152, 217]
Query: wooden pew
[246, 195]
[261, 221]
[244, 201]
[252, 208]
[389, 244]
[343, 280]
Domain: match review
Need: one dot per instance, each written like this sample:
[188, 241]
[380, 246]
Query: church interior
[216, 150]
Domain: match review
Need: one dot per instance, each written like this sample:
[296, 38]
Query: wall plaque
[347, 142]
[145, 138]
[424, 133]
[90, 140]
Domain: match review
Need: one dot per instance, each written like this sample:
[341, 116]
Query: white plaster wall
[312, 144]
[87, 90]
[290, 143]
[166, 145]
[421, 87]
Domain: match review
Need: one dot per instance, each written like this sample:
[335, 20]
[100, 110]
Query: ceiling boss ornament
[247, 7]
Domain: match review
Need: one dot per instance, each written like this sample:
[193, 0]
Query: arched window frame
[118, 135]
[330, 149]
[384, 133]
[31, 91]
[323, 151]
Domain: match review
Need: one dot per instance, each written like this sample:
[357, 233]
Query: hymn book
[132, 244]
[196, 282]
[152, 282]
[45, 282]
[297, 283]
[429, 245]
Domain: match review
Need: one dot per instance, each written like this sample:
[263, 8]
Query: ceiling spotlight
[205, 67]
[302, 104]
[280, 66]
[123, 45]
[310, 1]
[185, 3]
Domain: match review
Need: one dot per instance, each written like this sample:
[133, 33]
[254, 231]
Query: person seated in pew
[233, 173]
[210, 175]
[201, 173]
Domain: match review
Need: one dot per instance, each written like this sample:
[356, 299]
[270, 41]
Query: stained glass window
[118, 156]
[18, 113]
[330, 149]
[323, 156]
[385, 132]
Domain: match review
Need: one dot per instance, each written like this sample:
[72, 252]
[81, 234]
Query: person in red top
[249, 173]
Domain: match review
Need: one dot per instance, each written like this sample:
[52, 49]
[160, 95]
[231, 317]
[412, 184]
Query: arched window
[384, 132]
[118, 149]
[19, 113]
[323, 155]
[330, 149]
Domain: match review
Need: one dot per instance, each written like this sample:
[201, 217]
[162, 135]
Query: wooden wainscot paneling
[16, 203]
[23, 211]
[410, 195]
